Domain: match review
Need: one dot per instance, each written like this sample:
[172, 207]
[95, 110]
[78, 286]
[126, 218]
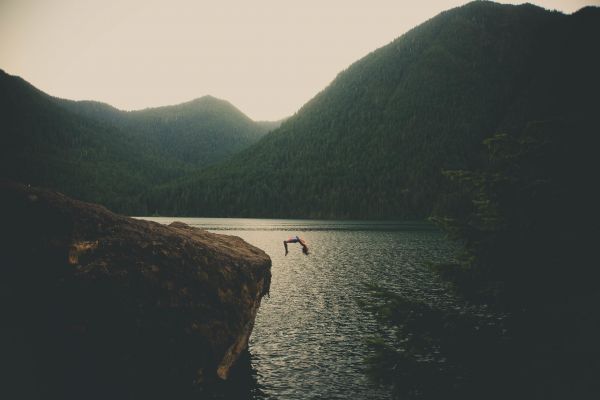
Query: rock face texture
[97, 304]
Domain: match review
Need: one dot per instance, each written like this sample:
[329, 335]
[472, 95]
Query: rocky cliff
[97, 303]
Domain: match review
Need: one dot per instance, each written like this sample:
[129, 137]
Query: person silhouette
[296, 239]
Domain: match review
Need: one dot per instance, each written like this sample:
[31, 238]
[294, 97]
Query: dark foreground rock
[96, 304]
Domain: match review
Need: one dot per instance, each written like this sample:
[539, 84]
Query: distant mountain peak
[591, 11]
[210, 100]
[208, 97]
[205, 104]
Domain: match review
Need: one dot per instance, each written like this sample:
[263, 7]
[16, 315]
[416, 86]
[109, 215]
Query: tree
[525, 268]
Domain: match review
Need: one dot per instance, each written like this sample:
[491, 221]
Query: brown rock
[95, 298]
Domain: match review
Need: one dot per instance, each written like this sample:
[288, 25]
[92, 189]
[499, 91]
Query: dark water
[309, 337]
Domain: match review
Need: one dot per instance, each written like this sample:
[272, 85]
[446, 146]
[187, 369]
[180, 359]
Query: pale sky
[267, 57]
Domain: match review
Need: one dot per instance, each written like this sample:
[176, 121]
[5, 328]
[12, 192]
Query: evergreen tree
[530, 328]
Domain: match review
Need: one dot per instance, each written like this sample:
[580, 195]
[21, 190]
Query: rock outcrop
[94, 302]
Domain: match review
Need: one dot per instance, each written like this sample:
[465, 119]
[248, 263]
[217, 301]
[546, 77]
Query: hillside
[199, 132]
[44, 144]
[373, 144]
[95, 152]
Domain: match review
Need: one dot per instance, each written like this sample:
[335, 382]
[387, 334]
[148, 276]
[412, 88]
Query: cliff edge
[98, 303]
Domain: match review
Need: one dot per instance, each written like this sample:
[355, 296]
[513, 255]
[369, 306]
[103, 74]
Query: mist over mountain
[374, 143]
[96, 152]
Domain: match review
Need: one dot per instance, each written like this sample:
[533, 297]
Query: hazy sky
[267, 57]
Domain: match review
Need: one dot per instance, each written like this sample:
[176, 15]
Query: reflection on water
[297, 225]
[309, 337]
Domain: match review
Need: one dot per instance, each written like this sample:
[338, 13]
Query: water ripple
[309, 337]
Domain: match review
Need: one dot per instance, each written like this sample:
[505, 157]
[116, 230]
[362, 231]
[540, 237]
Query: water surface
[309, 338]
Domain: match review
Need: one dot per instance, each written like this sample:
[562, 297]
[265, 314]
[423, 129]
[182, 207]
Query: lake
[309, 338]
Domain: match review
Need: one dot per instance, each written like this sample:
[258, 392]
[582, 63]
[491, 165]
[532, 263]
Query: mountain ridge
[373, 143]
[95, 152]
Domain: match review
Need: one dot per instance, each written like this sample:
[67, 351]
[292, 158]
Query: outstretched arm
[285, 245]
[305, 249]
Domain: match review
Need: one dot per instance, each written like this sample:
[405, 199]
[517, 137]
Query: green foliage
[525, 209]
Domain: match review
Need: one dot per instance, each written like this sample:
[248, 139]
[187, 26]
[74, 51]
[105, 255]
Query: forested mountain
[95, 152]
[199, 132]
[44, 144]
[373, 144]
